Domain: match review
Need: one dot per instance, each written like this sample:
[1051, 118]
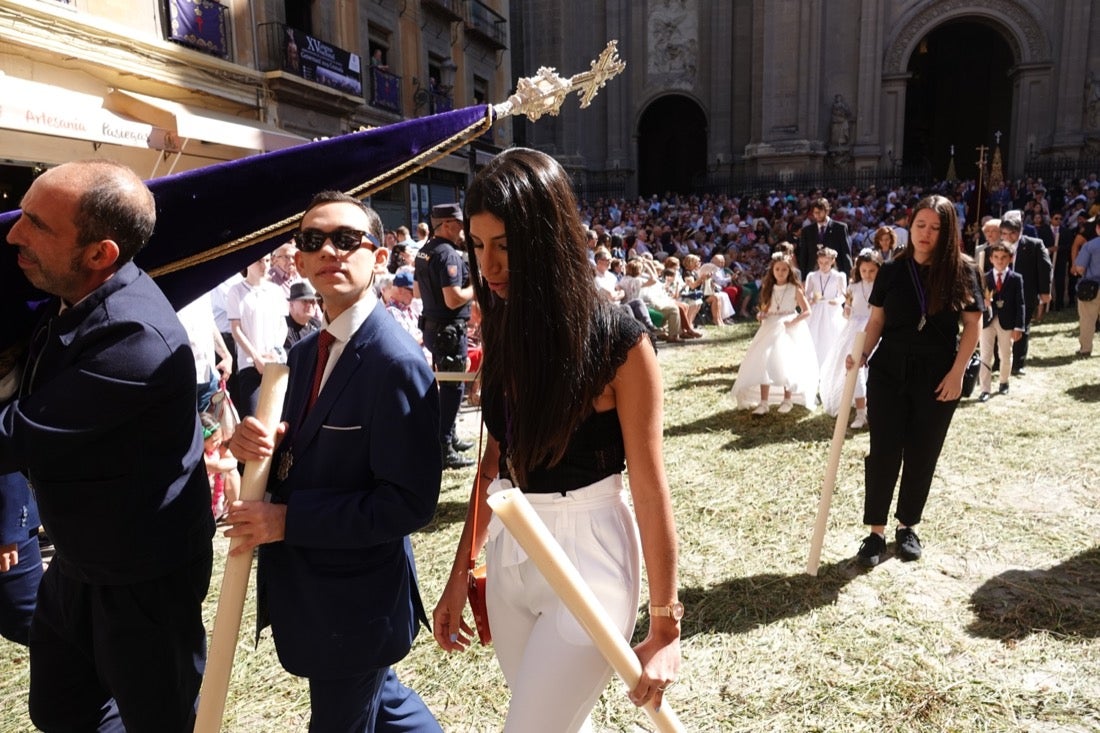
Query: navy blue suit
[19, 586]
[106, 430]
[1011, 313]
[358, 473]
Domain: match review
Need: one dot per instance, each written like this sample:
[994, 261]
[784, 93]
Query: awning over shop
[45, 109]
[190, 123]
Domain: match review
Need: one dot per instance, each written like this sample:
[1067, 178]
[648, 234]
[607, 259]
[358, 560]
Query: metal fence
[746, 183]
[1060, 170]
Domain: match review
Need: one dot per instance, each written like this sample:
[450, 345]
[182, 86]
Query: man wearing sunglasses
[351, 479]
[443, 284]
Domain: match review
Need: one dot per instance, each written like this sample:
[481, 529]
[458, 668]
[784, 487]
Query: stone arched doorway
[672, 145]
[959, 94]
[1029, 75]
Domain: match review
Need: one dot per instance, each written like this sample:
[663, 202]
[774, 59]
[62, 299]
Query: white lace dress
[825, 292]
[833, 372]
[780, 357]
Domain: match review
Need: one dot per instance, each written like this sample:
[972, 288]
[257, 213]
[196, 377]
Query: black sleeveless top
[595, 450]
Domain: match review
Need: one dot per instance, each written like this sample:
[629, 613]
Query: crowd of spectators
[743, 231]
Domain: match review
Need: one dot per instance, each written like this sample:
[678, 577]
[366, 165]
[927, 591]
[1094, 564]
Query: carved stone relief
[673, 30]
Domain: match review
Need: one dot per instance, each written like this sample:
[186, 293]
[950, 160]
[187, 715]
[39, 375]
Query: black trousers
[248, 389]
[1019, 347]
[450, 393]
[119, 657]
[908, 428]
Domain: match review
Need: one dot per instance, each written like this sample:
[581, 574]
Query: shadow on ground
[798, 426]
[1085, 392]
[447, 512]
[1063, 600]
[742, 604]
[1050, 361]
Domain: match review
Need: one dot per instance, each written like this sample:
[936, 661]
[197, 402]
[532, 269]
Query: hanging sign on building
[47, 110]
[315, 60]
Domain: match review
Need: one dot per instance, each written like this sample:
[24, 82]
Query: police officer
[443, 284]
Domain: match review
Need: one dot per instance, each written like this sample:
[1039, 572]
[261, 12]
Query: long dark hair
[540, 356]
[950, 272]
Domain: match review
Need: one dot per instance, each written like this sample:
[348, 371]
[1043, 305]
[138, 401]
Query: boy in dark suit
[1003, 320]
[357, 470]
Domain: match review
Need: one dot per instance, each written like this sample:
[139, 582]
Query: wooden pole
[839, 431]
[227, 622]
[531, 533]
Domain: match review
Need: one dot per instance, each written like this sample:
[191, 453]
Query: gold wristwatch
[674, 611]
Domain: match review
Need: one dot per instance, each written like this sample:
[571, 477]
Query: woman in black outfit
[915, 378]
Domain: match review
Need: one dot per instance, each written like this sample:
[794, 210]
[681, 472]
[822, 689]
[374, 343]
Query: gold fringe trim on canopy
[385, 180]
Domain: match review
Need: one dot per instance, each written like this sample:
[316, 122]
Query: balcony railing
[283, 48]
[385, 90]
[451, 9]
[204, 25]
[486, 23]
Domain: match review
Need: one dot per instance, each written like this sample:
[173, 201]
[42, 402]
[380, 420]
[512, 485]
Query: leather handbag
[1087, 289]
[475, 588]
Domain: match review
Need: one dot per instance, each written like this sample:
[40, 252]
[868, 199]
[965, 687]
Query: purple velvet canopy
[202, 211]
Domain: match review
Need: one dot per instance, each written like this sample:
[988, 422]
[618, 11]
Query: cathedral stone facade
[785, 87]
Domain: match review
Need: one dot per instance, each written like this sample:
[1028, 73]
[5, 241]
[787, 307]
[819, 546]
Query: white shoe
[859, 422]
[784, 407]
[761, 409]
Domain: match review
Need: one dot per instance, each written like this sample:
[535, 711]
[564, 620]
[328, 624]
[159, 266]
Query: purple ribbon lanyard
[920, 295]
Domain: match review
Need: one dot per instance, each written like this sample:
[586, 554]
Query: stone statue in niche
[840, 129]
[1092, 101]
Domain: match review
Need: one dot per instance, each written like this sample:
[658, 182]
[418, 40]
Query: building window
[203, 25]
[299, 14]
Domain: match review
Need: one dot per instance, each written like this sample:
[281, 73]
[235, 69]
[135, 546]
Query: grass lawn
[995, 629]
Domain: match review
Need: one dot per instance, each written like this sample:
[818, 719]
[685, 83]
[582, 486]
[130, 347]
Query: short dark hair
[374, 222]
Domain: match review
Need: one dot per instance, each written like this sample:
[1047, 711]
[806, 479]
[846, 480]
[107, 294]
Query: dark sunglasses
[343, 238]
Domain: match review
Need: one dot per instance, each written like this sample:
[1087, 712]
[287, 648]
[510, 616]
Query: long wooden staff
[227, 622]
[532, 535]
[839, 431]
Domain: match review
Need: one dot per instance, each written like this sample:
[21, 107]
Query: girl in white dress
[781, 353]
[858, 312]
[825, 290]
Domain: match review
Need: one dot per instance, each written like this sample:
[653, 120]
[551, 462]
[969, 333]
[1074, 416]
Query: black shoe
[983, 397]
[462, 445]
[1003, 389]
[1018, 372]
[908, 544]
[871, 550]
[456, 460]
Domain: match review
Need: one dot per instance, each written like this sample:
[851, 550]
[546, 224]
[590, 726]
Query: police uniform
[440, 265]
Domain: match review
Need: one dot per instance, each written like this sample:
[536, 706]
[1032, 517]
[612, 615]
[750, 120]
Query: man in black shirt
[443, 284]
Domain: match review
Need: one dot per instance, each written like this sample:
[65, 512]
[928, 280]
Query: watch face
[677, 611]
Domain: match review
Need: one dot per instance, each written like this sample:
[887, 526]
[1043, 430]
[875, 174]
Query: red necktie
[998, 282]
[324, 347]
